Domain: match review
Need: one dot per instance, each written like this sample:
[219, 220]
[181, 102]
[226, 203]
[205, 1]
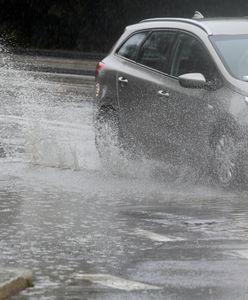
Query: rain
[132, 226]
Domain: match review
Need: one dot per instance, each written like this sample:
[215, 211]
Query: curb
[13, 281]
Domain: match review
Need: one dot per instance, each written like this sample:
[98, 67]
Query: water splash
[118, 161]
[50, 124]
[46, 123]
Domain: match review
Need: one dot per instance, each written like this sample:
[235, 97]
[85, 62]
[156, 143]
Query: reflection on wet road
[88, 234]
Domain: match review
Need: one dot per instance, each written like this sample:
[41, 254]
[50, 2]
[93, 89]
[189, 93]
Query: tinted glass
[234, 52]
[192, 57]
[156, 50]
[130, 47]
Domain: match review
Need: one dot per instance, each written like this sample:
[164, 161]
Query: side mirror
[192, 80]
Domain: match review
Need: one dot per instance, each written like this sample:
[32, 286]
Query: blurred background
[93, 26]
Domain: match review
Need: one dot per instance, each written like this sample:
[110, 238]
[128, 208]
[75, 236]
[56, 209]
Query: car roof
[212, 26]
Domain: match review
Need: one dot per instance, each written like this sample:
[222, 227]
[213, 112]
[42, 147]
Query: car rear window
[130, 47]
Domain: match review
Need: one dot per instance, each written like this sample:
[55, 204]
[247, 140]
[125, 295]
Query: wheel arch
[225, 125]
[106, 107]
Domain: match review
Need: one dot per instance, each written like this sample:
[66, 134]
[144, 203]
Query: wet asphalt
[89, 233]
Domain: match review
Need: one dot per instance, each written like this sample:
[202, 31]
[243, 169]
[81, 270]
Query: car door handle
[163, 94]
[123, 80]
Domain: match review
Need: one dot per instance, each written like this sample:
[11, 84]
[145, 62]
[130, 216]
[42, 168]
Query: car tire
[226, 160]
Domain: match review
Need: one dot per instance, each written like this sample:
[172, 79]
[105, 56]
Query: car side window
[156, 51]
[130, 48]
[192, 57]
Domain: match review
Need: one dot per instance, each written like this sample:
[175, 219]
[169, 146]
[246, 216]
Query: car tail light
[99, 67]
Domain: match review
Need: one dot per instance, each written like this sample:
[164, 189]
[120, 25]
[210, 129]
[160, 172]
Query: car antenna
[198, 15]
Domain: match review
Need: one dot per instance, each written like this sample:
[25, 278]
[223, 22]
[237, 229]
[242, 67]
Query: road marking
[242, 253]
[157, 237]
[116, 282]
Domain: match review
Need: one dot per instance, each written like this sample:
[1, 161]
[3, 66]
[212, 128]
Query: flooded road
[90, 234]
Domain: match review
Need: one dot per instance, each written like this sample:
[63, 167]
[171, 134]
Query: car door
[193, 108]
[143, 92]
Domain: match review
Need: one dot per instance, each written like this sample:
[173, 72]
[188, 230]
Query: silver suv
[176, 89]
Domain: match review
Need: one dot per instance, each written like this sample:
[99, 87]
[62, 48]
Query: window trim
[173, 54]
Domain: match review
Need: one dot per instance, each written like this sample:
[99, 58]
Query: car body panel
[136, 100]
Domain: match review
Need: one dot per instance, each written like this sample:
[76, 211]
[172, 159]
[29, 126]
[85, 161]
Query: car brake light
[99, 67]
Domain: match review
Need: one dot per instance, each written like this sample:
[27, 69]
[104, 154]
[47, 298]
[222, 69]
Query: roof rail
[188, 21]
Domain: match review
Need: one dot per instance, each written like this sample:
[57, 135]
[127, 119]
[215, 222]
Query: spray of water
[117, 160]
[44, 123]
[46, 129]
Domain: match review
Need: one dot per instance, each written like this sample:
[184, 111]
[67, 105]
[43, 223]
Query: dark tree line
[93, 25]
